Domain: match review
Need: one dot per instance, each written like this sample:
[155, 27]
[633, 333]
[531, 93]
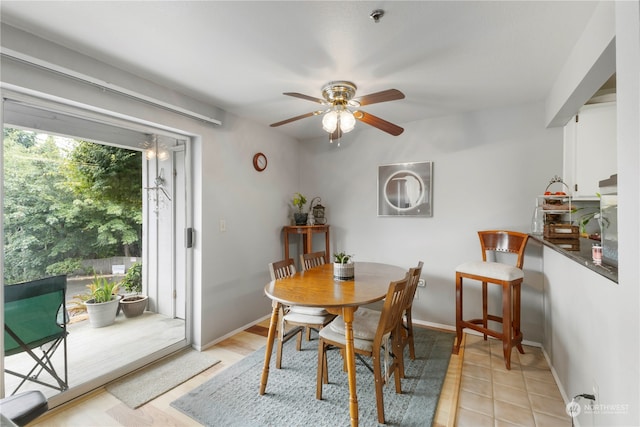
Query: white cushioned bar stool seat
[496, 270]
[509, 277]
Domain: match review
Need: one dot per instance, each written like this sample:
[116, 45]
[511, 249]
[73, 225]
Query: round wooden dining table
[316, 287]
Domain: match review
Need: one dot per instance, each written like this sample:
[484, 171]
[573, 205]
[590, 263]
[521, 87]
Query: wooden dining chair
[405, 331]
[312, 260]
[300, 318]
[376, 340]
[405, 325]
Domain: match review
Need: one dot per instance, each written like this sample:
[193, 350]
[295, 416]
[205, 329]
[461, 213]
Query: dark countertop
[583, 257]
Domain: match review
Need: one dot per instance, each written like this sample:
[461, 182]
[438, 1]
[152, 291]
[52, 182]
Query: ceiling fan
[342, 112]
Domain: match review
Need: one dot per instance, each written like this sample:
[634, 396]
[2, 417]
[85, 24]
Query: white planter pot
[343, 271]
[104, 313]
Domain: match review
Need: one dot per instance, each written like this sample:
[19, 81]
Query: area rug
[231, 398]
[142, 386]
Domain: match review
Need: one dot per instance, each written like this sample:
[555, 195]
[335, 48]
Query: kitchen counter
[583, 256]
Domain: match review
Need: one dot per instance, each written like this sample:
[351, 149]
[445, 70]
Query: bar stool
[510, 277]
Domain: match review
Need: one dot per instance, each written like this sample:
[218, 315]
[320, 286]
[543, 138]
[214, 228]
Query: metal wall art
[405, 189]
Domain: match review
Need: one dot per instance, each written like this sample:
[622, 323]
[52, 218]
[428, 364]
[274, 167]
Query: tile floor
[490, 395]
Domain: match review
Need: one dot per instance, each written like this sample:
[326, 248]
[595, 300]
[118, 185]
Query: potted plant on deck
[299, 201]
[134, 304]
[102, 305]
[343, 267]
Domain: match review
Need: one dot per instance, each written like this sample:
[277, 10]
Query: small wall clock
[260, 162]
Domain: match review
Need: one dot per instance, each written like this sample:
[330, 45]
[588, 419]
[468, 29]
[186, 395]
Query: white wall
[255, 206]
[488, 168]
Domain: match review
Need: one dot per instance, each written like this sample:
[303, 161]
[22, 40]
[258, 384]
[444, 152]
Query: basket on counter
[561, 231]
[566, 244]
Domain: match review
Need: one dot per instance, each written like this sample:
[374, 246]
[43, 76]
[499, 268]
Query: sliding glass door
[96, 356]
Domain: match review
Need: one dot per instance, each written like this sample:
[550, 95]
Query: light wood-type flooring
[474, 392]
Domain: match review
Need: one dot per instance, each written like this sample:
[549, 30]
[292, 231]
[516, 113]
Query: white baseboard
[230, 334]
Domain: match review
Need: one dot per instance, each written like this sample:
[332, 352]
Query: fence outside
[113, 265]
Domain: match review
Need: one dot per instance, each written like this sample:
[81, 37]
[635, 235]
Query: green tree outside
[67, 202]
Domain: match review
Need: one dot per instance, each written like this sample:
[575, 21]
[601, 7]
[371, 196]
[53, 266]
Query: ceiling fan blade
[307, 97]
[377, 122]
[293, 119]
[374, 98]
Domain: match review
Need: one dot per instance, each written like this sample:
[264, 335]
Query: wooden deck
[99, 355]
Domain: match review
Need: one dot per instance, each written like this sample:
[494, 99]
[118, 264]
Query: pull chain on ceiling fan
[339, 118]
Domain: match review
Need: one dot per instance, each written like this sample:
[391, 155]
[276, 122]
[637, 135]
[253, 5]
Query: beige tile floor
[490, 395]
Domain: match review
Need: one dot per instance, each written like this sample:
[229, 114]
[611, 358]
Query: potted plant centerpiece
[299, 201]
[103, 302]
[133, 304]
[343, 266]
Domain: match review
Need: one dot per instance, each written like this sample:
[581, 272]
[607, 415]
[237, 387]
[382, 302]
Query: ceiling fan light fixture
[330, 121]
[347, 121]
[342, 109]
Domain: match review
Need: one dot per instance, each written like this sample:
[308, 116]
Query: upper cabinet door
[590, 149]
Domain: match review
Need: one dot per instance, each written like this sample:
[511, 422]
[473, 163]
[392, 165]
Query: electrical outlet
[422, 283]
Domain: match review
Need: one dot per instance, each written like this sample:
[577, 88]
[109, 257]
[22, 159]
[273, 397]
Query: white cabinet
[590, 149]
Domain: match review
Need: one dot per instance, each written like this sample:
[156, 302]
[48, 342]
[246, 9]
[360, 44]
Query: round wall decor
[260, 162]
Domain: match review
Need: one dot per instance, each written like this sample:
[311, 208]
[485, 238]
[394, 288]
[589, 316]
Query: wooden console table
[307, 232]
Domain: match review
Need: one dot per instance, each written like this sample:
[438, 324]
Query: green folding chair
[35, 320]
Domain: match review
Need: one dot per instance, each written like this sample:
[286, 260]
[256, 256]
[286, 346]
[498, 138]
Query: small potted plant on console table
[299, 201]
[343, 267]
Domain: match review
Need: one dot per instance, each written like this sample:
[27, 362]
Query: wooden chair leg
[396, 374]
[507, 326]
[398, 366]
[322, 365]
[377, 373]
[485, 307]
[412, 351]
[299, 341]
[279, 355]
[280, 339]
[398, 349]
[456, 346]
[516, 317]
[325, 368]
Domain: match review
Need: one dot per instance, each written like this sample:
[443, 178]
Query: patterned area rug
[231, 398]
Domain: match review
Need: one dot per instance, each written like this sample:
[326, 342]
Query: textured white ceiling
[446, 56]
